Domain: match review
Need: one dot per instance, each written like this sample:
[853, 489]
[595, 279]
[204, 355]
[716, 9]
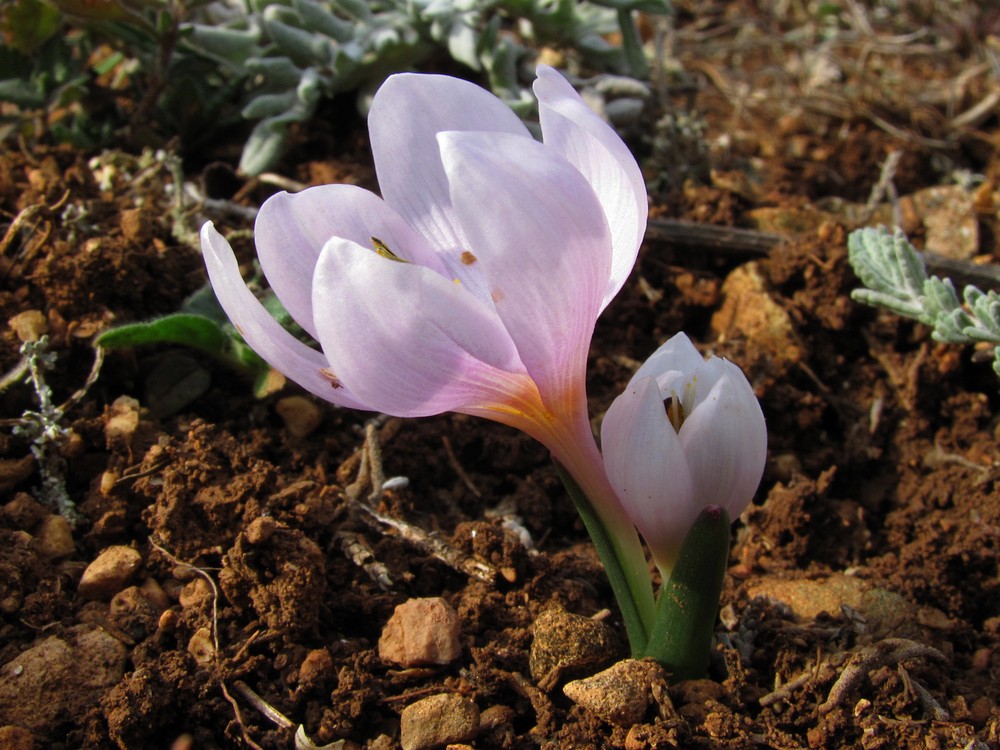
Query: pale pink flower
[686, 433]
[512, 248]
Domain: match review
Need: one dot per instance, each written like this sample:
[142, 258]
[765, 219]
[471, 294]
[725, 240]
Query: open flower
[686, 433]
[474, 282]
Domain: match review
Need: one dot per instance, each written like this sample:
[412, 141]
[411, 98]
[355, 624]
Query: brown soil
[862, 604]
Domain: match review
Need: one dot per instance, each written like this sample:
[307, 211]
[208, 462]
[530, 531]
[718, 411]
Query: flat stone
[620, 694]
[112, 571]
[421, 632]
[570, 644]
[950, 222]
[60, 678]
[749, 310]
[885, 611]
[438, 720]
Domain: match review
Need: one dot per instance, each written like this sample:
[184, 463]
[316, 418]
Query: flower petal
[307, 367]
[672, 360]
[646, 465]
[593, 147]
[406, 340]
[543, 246]
[725, 439]
[291, 230]
[406, 114]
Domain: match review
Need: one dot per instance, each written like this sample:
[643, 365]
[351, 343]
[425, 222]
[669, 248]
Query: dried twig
[268, 711]
[750, 243]
[457, 467]
[358, 552]
[888, 651]
[449, 555]
[370, 474]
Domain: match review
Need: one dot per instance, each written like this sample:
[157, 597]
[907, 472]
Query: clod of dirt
[58, 679]
[571, 644]
[300, 415]
[438, 720]
[620, 694]
[54, 538]
[29, 325]
[283, 578]
[695, 699]
[112, 571]
[654, 737]
[133, 613]
[421, 632]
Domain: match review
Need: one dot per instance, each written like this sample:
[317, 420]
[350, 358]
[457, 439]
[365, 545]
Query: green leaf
[195, 331]
[27, 24]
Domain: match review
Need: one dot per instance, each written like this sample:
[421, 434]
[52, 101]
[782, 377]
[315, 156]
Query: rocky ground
[243, 568]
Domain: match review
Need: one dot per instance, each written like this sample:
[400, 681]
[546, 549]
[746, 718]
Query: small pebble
[571, 644]
[202, 647]
[155, 593]
[620, 694]
[497, 716]
[112, 571]
[196, 594]
[421, 632]
[54, 538]
[108, 481]
[982, 658]
[122, 422]
[301, 415]
[317, 666]
[23, 511]
[260, 530]
[438, 720]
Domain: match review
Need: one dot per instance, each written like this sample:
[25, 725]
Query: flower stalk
[688, 602]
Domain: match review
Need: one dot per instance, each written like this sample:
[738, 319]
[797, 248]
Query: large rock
[60, 679]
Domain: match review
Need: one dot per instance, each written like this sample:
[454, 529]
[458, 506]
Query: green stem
[627, 584]
[681, 636]
[635, 58]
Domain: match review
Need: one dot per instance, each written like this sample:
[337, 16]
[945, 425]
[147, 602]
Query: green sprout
[895, 278]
